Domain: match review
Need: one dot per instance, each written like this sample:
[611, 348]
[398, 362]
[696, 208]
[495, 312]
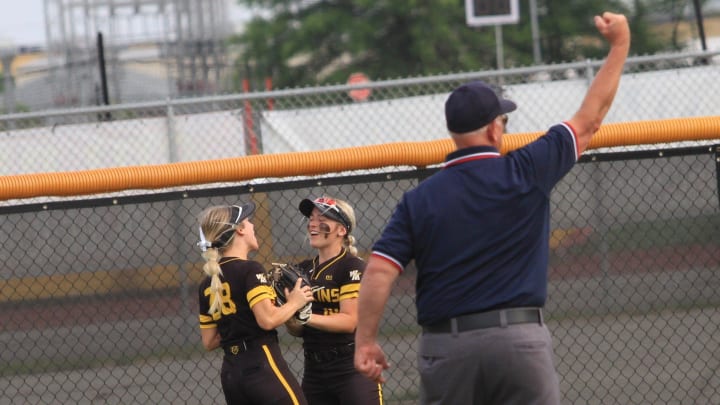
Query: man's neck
[471, 139]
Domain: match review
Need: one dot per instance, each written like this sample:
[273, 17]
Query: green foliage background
[300, 43]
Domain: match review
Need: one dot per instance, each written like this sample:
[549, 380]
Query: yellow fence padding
[418, 154]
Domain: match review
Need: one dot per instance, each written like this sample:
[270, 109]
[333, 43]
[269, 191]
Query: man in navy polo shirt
[478, 231]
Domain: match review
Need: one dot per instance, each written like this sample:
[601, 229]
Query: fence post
[717, 170]
[170, 125]
[589, 72]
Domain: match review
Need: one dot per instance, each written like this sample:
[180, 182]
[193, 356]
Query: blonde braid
[350, 244]
[348, 240]
[213, 270]
[214, 221]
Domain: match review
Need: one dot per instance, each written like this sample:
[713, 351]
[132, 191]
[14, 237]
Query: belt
[322, 356]
[489, 319]
[247, 344]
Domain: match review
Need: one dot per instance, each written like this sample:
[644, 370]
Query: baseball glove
[285, 275]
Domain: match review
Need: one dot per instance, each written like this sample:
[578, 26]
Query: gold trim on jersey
[349, 291]
[232, 259]
[207, 322]
[260, 293]
[279, 375]
[330, 263]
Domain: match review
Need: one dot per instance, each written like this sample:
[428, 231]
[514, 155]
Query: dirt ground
[689, 29]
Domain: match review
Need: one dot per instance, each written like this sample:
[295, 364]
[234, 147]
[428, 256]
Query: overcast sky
[23, 23]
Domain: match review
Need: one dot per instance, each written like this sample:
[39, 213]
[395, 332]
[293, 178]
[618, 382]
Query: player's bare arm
[344, 321]
[270, 317]
[210, 338]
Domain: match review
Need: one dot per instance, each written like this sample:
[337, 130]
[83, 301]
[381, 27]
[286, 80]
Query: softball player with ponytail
[238, 312]
[328, 334]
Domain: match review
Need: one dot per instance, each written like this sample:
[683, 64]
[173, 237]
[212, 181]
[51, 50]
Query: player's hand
[300, 295]
[614, 27]
[370, 361]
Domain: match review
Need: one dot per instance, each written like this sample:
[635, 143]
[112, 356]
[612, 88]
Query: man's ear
[494, 132]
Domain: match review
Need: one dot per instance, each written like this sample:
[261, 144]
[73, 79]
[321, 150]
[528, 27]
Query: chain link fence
[99, 301]
[98, 294]
[181, 130]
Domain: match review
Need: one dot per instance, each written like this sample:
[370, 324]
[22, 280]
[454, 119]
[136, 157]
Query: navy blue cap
[474, 105]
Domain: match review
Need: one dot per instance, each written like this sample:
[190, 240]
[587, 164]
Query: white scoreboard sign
[491, 12]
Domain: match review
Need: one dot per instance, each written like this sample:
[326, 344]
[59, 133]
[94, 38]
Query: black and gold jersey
[244, 283]
[339, 278]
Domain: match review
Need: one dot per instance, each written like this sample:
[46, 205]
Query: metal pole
[171, 132]
[103, 75]
[701, 28]
[499, 47]
[7, 59]
[535, 32]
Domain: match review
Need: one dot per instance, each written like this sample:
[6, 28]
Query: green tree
[301, 42]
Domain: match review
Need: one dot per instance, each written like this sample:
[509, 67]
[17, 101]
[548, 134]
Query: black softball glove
[285, 275]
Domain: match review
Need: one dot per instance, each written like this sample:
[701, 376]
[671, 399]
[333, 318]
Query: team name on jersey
[328, 295]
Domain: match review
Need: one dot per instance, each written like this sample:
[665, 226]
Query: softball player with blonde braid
[328, 333]
[238, 312]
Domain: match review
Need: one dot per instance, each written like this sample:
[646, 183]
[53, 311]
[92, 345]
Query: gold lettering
[323, 295]
[228, 305]
[328, 295]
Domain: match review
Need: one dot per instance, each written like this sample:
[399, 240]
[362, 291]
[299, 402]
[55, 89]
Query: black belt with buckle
[489, 319]
[322, 356]
[248, 344]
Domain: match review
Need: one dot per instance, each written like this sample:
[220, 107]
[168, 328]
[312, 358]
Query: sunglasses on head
[337, 214]
[327, 203]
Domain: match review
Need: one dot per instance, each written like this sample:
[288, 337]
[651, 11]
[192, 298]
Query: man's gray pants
[500, 365]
